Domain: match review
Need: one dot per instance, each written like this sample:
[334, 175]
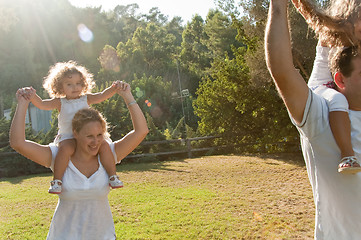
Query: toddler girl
[70, 85]
[339, 26]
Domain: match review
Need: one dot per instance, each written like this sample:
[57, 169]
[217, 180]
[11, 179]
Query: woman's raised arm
[129, 142]
[35, 152]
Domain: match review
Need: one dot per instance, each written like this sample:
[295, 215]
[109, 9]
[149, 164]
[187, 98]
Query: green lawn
[218, 197]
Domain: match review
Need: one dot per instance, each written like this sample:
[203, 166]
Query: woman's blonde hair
[53, 82]
[86, 115]
[335, 24]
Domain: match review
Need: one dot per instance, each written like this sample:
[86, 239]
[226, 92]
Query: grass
[217, 197]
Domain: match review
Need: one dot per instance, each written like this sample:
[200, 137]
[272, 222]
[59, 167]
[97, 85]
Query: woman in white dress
[83, 211]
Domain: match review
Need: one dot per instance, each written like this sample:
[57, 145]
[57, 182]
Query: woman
[83, 210]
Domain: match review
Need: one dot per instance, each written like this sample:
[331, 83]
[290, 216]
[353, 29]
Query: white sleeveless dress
[83, 211]
[66, 115]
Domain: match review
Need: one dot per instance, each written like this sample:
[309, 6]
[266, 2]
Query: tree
[150, 51]
[238, 100]
[153, 94]
[221, 34]
[230, 105]
[195, 53]
[124, 22]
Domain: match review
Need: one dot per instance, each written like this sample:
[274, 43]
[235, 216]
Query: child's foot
[349, 165]
[114, 182]
[55, 186]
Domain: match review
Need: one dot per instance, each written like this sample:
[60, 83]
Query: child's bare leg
[341, 130]
[65, 150]
[107, 158]
[108, 162]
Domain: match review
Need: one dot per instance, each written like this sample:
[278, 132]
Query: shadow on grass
[124, 167]
[20, 179]
[291, 158]
[157, 165]
[147, 166]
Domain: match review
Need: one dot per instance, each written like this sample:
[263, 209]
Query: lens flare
[139, 93]
[156, 112]
[109, 59]
[85, 34]
[148, 103]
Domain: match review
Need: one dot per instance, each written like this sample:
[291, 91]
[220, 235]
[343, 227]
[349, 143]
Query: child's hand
[27, 92]
[123, 88]
[20, 96]
[115, 84]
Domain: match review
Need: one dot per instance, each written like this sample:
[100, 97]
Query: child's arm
[94, 98]
[46, 104]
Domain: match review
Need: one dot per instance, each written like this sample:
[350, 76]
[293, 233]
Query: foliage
[219, 60]
[194, 51]
[19, 166]
[11, 166]
[149, 51]
[231, 106]
[154, 97]
[154, 133]
[238, 99]
[4, 130]
[51, 134]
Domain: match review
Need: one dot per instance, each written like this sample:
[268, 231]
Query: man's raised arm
[289, 82]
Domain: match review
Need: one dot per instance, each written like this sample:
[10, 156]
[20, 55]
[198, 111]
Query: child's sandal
[114, 182]
[347, 165]
[55, 186]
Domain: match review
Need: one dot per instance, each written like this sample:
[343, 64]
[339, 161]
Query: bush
[18, 165]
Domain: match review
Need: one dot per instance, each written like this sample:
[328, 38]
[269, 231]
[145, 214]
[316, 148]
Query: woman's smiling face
[90, 137]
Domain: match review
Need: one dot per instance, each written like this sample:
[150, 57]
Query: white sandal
[114, 182]
[350, 169]
[55, 186]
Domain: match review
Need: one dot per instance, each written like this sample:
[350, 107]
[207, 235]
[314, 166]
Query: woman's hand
[27, 92]
[123, 89]
[22, 96]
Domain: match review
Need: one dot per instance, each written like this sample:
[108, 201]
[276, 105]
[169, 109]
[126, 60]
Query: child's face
[72, 86]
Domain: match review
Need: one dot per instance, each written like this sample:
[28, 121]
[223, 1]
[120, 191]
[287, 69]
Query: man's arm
[290, 84]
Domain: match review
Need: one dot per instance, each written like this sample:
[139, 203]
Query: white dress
[83, 211]
[66, 115]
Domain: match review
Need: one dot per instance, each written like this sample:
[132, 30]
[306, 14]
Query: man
[337, 196]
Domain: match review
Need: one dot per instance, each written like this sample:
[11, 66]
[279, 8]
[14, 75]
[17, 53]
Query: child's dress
[321, 82]
[66, 115]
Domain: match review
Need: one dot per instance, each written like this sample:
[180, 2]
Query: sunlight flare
[85, 34]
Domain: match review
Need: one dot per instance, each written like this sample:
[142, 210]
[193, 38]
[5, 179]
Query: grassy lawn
[217, 197]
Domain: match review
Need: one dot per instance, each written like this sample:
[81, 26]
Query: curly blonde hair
[53, 82]
[335, 24]
[86, 115]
